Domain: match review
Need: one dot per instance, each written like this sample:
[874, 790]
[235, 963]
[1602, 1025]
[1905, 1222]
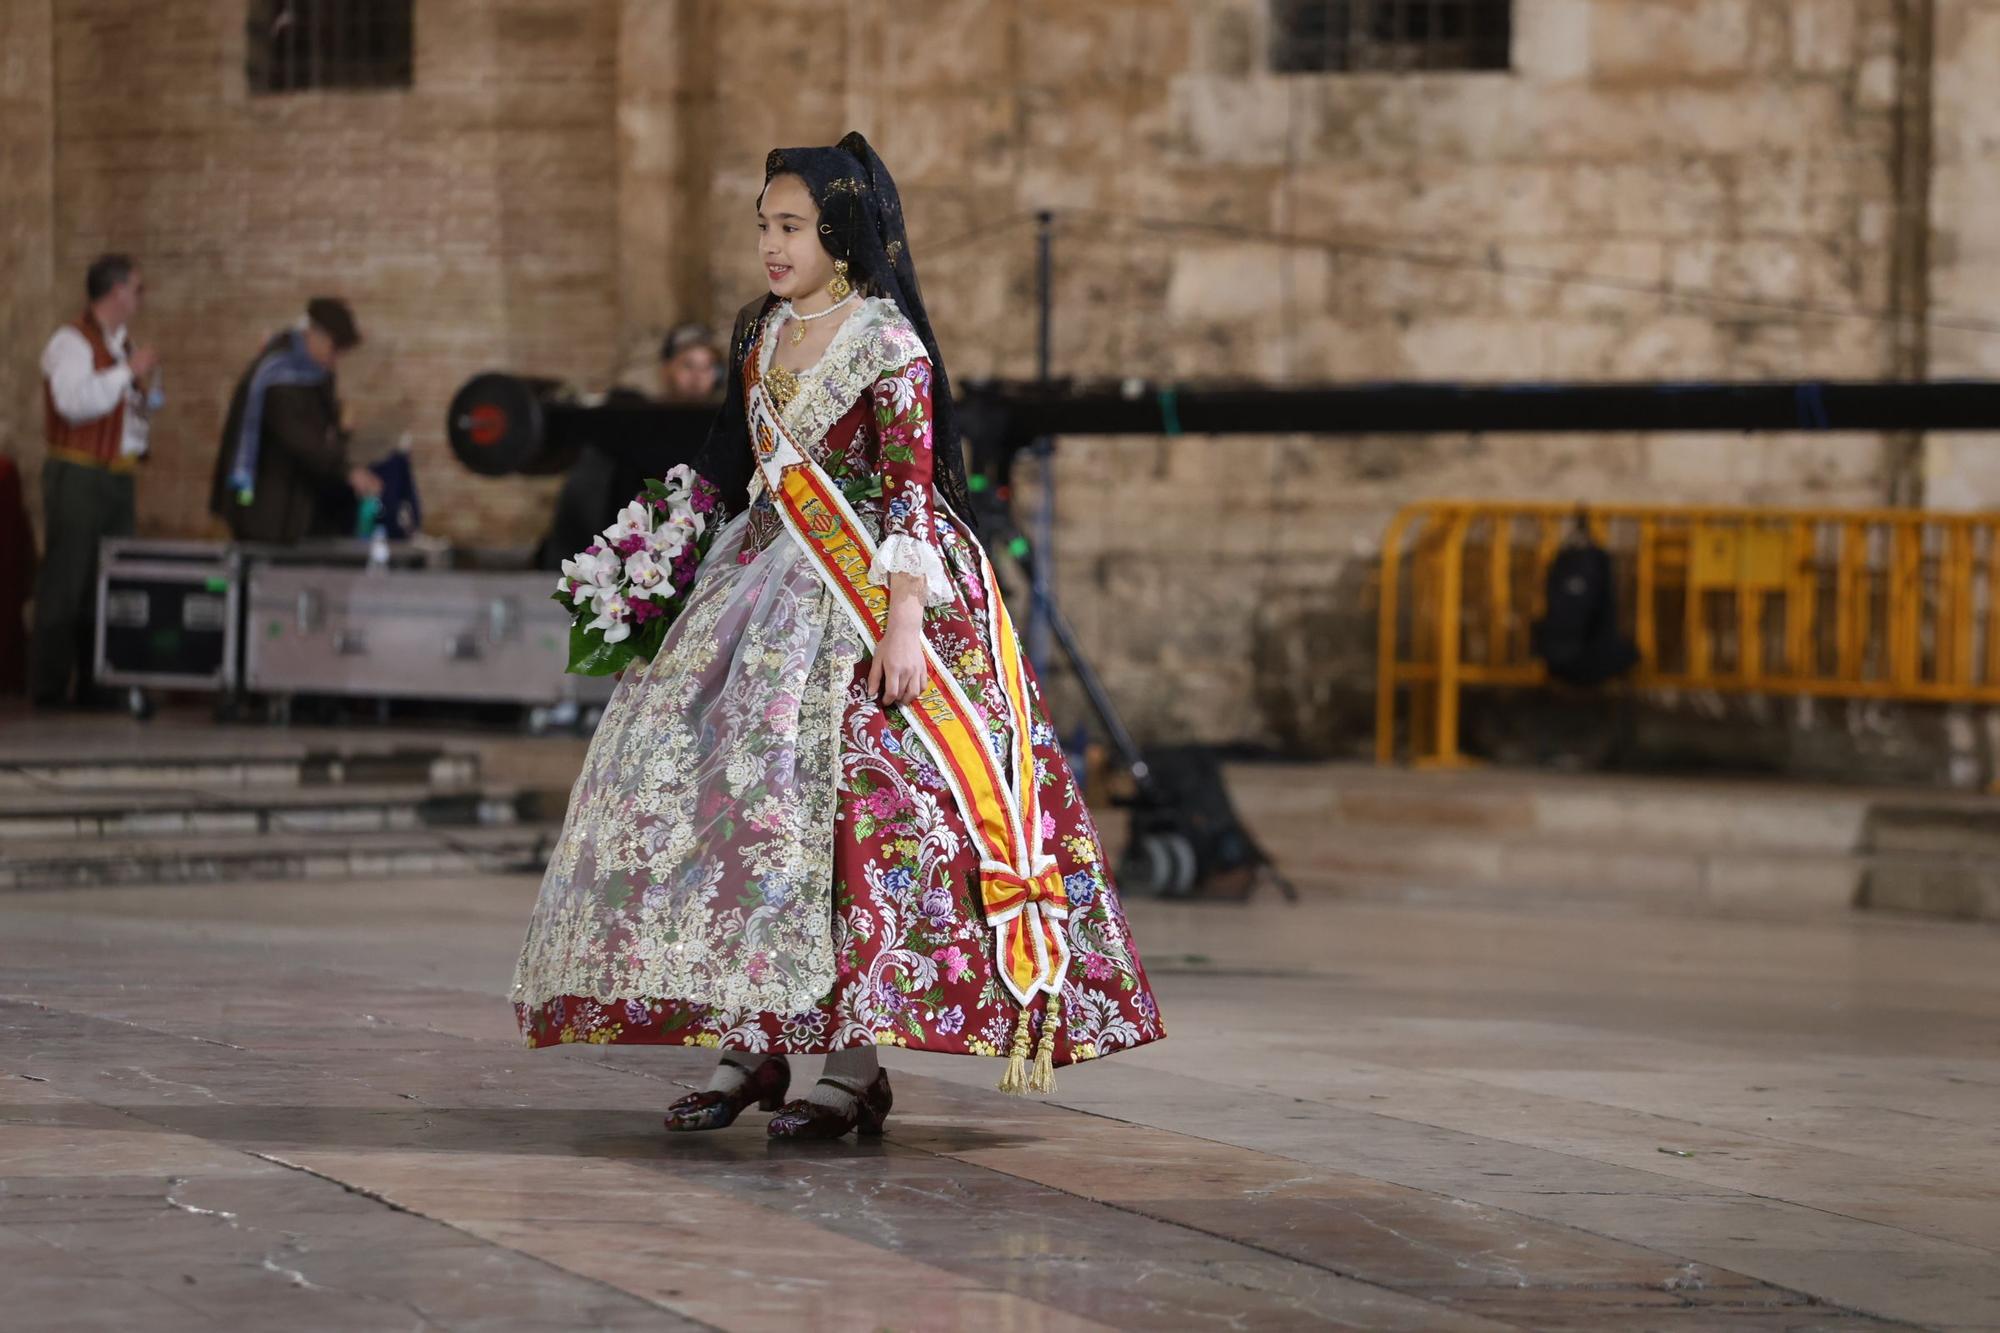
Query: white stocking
[733, 1070]
[851, 1071]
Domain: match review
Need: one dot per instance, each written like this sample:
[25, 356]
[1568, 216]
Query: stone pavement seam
[1810, 1301]
[1156, 1218]
[360, 1191]
[269, 1260]
[169, 1036]
[377, 1197]
[1113, 1205]
[1679, 1190]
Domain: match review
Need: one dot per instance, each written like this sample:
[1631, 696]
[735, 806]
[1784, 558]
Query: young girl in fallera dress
[830, 814]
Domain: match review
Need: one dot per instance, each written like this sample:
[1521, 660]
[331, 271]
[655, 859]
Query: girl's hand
[896, 675]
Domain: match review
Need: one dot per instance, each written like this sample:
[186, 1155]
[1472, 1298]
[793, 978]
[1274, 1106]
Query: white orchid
[669, 539]
[634, 519]
[614, 617]
[643, 572]
[589, 573]
[626, 588]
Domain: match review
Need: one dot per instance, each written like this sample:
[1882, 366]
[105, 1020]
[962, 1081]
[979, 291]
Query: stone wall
[466, 219]
[1963, 472]
[565, 177]
[27, 139]
[1734, 146]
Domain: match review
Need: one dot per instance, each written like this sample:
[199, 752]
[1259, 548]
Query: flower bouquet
[626, 588]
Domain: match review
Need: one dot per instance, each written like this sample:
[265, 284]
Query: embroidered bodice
[863, 413]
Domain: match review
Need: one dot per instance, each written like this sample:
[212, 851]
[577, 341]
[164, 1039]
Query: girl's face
[788, 239]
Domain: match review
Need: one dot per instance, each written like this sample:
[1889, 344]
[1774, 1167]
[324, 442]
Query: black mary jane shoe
[766, 1086]
[801, 1119]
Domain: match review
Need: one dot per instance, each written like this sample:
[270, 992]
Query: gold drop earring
[840, 288]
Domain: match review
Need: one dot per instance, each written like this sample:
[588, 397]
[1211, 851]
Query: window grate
[299, 45]
[1364, 36]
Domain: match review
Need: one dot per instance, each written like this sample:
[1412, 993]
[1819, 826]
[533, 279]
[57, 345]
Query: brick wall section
[466, 219]
[27, 128]
[567, 174]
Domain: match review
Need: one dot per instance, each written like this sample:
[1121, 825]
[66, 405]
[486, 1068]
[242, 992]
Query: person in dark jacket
[284, 444]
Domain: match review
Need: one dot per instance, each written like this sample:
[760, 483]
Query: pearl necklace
[799, 333]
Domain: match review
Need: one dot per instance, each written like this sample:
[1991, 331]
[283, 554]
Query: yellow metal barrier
[1877, 604]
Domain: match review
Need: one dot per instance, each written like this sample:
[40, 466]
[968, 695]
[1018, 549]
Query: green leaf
[862, 488]
[590, 655]
[647, 642]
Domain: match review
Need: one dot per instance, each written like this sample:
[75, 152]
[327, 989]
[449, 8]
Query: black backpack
[1578, 638]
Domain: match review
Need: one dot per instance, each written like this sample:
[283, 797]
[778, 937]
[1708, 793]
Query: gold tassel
[1043, 1080]
[1015, 1081]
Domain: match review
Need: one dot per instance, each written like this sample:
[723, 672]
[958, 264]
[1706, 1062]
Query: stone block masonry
[565, 175]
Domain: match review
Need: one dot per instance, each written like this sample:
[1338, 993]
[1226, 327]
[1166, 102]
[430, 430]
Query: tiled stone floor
[303, 1107]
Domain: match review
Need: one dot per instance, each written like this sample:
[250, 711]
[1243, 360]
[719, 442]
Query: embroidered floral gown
[759, 856]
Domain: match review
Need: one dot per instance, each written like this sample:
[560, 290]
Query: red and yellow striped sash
[1021, 889]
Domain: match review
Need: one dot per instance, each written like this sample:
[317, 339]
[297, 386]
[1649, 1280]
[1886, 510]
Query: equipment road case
[410, 634]
[168, 614]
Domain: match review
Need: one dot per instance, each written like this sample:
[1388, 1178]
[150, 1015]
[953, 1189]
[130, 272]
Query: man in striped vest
[96, 399]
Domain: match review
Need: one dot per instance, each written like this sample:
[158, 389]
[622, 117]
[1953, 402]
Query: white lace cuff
[900, 554]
